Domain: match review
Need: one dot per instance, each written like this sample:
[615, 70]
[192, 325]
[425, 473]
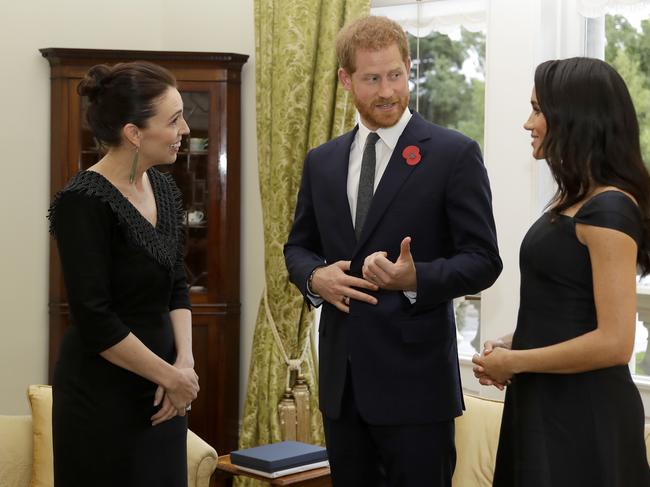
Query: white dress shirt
[384, 148]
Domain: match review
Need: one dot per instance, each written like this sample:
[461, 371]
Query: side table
[318, 477]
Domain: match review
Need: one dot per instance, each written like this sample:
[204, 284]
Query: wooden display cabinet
[209, 178]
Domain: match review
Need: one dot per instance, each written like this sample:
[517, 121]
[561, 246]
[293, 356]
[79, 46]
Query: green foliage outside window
[451, 99]
[628, 50]
[447, 97]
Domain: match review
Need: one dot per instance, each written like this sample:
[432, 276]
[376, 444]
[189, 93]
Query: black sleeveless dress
[570, 430]
[122, 275]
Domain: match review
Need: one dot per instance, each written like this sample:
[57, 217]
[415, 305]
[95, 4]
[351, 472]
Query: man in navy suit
[393, 220]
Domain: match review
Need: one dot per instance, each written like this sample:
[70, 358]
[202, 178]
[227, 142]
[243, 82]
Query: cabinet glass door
[191, 174]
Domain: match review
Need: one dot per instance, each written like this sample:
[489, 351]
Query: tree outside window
[451, 89]
[628, 50]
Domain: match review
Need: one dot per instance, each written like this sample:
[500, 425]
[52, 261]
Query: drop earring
[134, 165]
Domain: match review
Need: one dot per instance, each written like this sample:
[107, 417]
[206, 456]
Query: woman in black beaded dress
[572, 414]
[124, 377]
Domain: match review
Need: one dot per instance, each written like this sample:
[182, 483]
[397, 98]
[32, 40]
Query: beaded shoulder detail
[165, 241]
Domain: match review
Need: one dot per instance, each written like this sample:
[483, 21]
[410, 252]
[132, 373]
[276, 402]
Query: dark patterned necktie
[366, 182]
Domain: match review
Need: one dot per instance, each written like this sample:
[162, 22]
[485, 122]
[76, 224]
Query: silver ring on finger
[188, 407]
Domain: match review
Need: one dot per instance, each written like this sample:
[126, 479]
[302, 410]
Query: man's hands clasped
[394, 276]
[334, 285]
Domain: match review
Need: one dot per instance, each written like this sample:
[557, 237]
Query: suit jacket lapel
[395, 175]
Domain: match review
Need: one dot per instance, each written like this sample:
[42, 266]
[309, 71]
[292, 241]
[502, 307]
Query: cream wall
[513, 173]
[192, 25]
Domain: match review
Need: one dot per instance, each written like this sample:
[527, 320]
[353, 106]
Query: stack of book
[278, 459]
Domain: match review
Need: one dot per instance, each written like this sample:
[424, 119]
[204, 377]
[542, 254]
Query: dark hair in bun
[124, 93]
[91, 86]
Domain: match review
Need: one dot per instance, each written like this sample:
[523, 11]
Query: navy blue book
[279, 456]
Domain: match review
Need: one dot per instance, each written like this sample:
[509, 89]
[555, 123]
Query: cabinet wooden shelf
[210, 85]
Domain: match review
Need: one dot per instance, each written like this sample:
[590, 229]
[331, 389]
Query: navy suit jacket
[403, 357]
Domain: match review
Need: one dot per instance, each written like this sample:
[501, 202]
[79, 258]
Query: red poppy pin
[411, 155]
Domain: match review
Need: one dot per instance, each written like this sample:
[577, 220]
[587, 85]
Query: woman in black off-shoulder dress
[573, 416]
[124, 377]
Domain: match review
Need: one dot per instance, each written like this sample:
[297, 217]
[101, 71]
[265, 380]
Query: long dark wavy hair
[592, 136]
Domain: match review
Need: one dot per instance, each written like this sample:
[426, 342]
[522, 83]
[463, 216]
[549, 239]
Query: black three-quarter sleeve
[83, 228]
[180, 297]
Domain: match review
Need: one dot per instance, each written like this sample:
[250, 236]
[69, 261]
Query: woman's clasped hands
[493, 367]
[177, 395]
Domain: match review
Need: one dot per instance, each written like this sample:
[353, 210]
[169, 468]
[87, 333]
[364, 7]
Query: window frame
[542, 29]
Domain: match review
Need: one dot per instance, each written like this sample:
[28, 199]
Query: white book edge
[287, 471]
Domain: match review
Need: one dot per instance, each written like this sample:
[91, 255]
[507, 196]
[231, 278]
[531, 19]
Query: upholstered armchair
[26, 447]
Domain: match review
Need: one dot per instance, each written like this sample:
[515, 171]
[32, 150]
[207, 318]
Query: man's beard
[375, 116]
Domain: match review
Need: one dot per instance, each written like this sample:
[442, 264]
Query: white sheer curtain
[597, 8]
[594, 11]
[445, 16]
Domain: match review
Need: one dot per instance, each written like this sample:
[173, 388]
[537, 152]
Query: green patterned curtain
[299, 106]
